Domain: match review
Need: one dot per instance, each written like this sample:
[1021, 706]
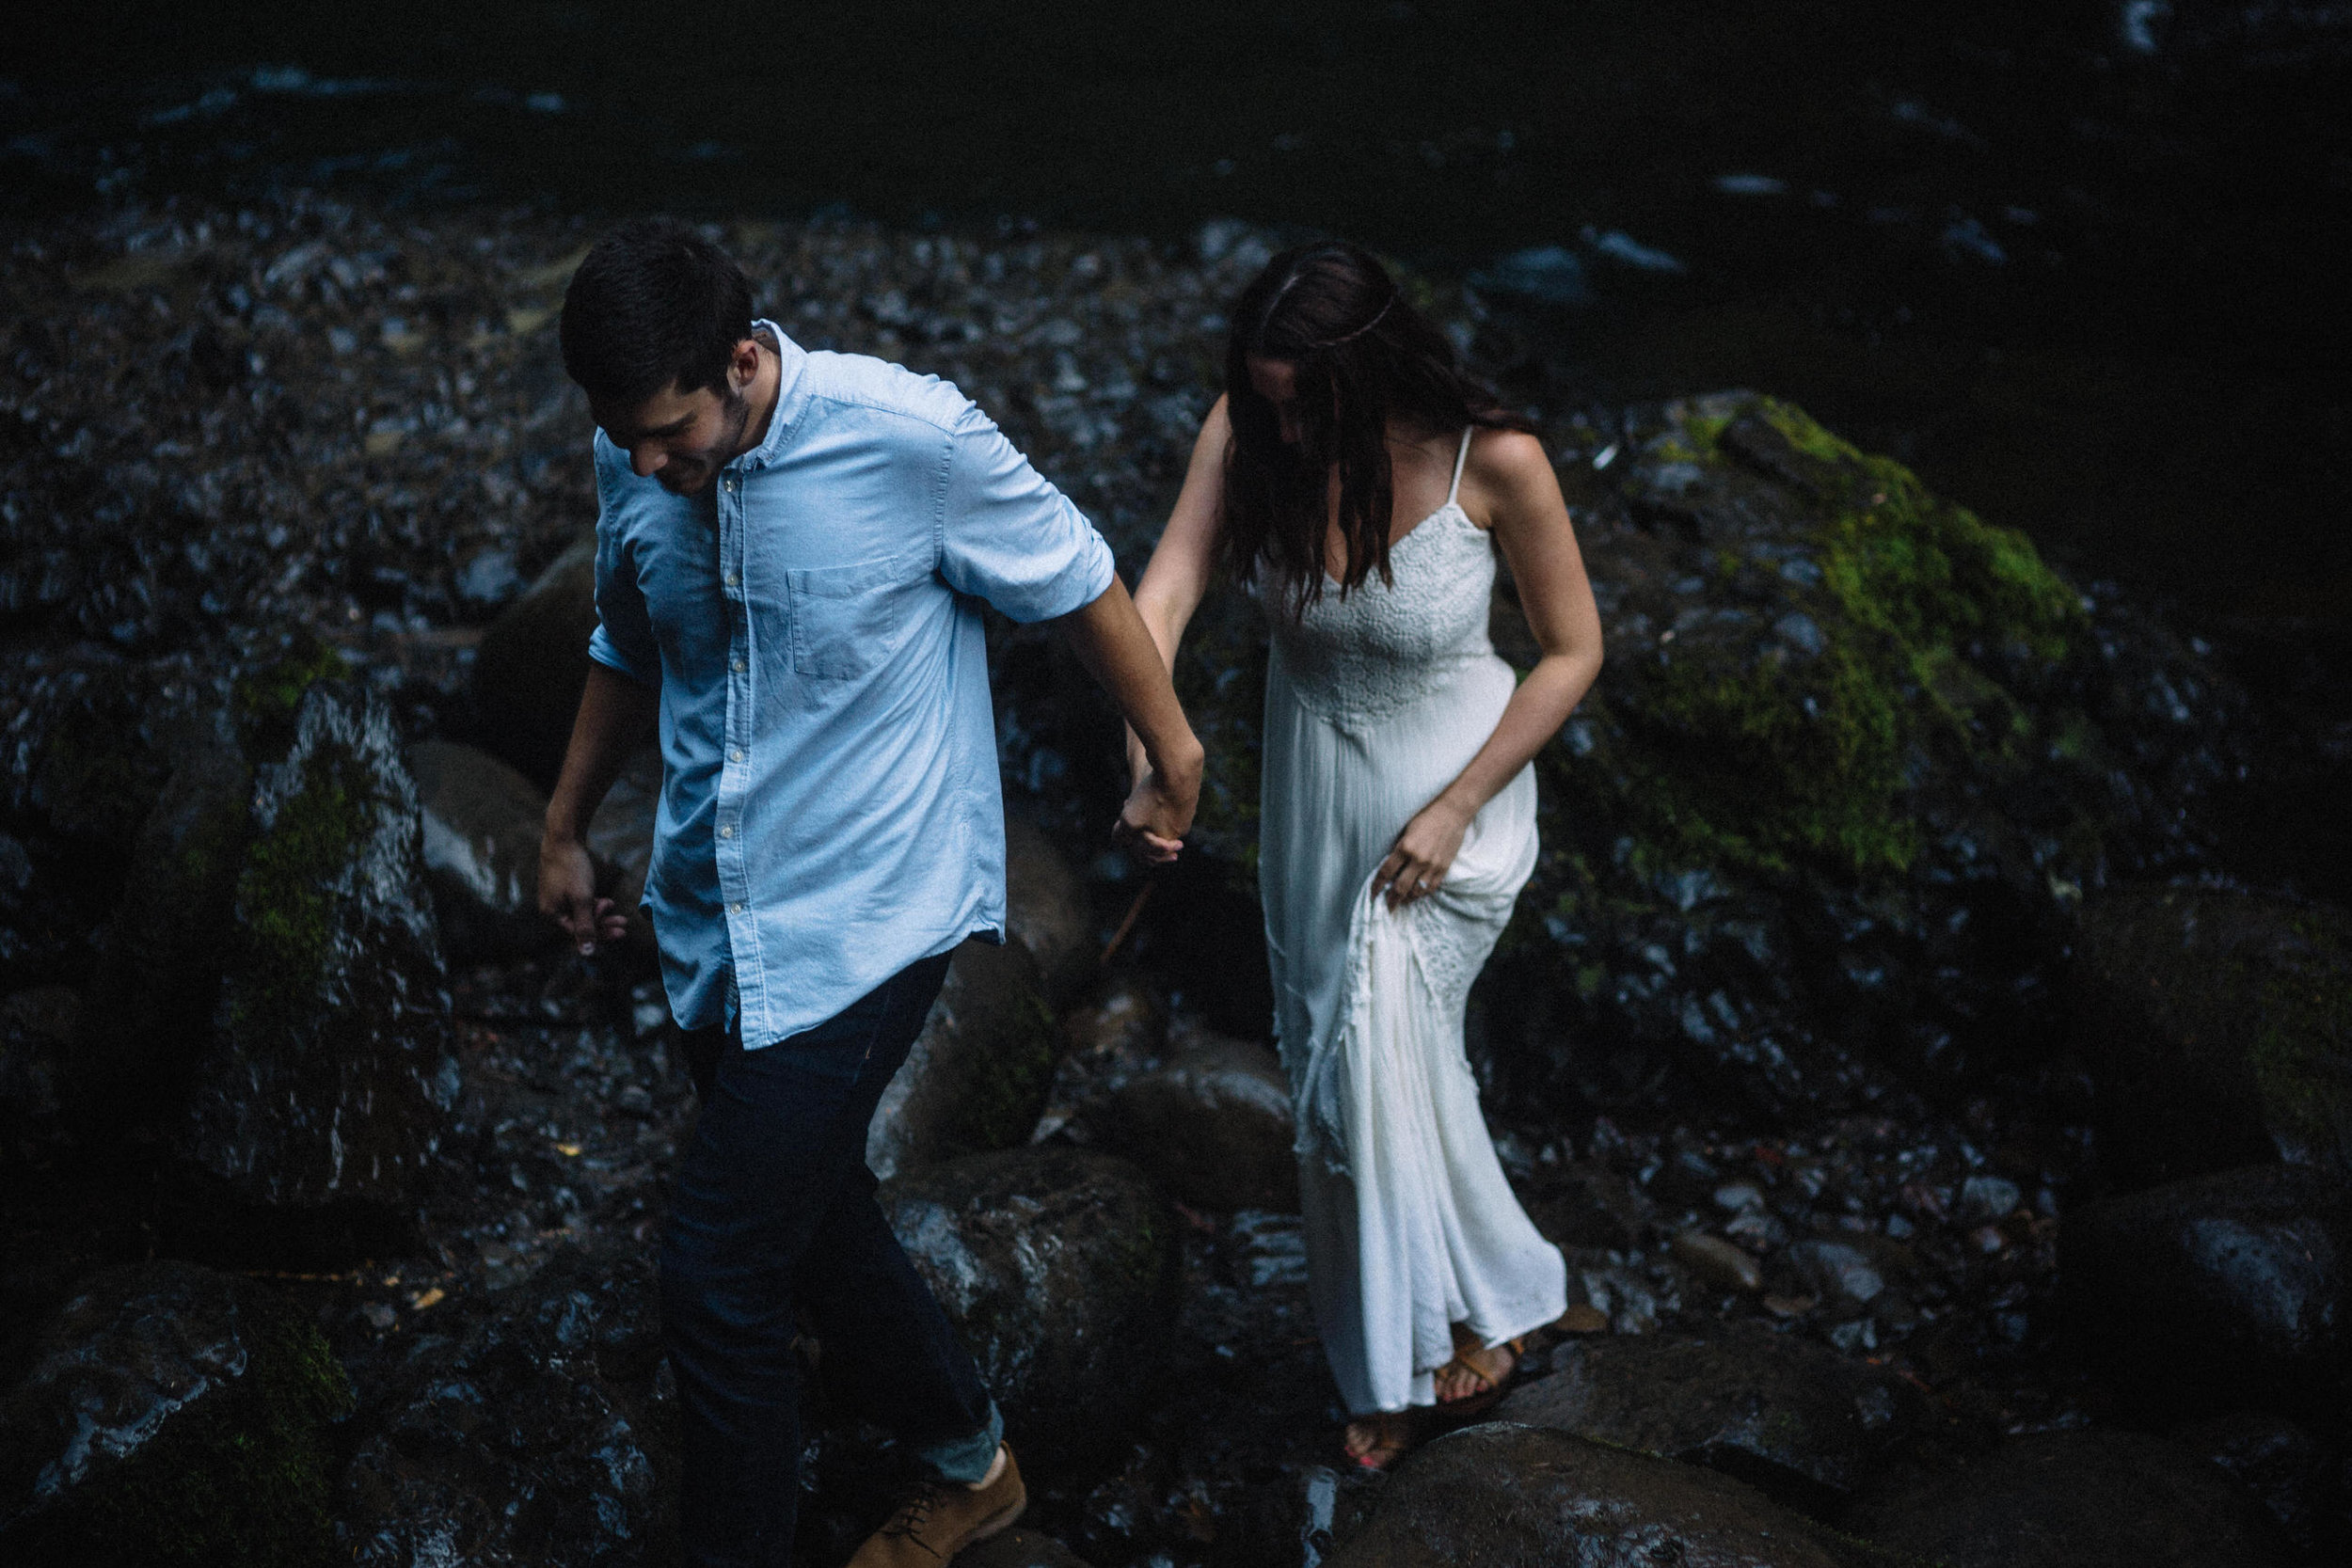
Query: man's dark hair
[654, 304]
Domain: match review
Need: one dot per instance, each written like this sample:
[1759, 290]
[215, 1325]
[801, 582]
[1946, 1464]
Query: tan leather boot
[938, 1519]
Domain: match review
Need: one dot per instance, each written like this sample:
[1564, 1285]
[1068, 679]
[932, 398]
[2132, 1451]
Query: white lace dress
[1375, 702]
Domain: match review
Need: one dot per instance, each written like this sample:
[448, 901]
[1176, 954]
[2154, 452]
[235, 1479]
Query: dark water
[2078, 261]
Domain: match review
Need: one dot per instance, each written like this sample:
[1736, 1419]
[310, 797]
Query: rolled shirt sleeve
[1008, 537]
[624, 639]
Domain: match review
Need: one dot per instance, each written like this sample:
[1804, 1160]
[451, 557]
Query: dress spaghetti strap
[1459, 458]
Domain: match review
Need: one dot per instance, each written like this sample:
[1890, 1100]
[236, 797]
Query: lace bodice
[1384, 646]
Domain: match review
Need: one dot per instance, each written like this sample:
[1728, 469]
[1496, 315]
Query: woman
[1357, 481]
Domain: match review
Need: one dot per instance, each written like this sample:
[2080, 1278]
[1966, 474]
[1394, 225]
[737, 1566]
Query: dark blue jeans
[774, 1214]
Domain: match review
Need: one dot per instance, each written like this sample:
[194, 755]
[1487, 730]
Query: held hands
[1424, 854]
[567, 896]
[1158, 812]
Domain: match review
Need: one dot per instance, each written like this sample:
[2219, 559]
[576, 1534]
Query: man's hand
[567, 896]
[1158, 812]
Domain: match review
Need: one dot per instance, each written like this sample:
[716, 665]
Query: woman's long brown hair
[1365, 358]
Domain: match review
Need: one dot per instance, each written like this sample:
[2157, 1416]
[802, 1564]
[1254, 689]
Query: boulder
[533, 665]
[481, 823]
[620, 836]
[2292, 1473]
[165, 947]
[327, 1080]
[1116, 1033]
[1046, 909]
[2216, 1292]
[1589, 1205]
[1057, 1266]
[537, 1436]
[978, 1074]
[170, 1415]
[37, 1029]
[2219, 1028]
[1214, 1124]
[1504, 1495]
[1789, 1416]
[1019, 1549]
[2075, 1499]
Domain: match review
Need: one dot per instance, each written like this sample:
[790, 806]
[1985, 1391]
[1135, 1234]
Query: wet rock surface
[2292, 1474]
[1213, 1123]
[2088, 1499]
[533, 664]
[1794, 1419]
[2217, 1291]
[328, 1077]
[2218, 1024]
[170, 1414]
[1059, 1268]
[481, 822]
[978, 1075]
[1508, 1494]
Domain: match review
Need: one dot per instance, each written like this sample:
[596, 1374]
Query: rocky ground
[1949, 1159]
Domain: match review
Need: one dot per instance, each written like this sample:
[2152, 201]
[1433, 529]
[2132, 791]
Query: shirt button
[733, 580]
[740, 666]
[727, 831]
[734, 909]
[736, 753]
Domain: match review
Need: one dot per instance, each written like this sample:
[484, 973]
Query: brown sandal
[1495, 1383]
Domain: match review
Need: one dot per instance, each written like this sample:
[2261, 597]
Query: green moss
[264, 702]
[244, 1479]
[1769, 761]
[287, 893]
[1001, 1105]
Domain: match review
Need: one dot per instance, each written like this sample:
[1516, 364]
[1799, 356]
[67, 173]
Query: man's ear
[743, 367]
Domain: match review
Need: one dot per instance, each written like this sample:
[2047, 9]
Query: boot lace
[914, 1513]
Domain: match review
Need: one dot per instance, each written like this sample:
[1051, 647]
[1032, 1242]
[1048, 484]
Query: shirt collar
[791, 398]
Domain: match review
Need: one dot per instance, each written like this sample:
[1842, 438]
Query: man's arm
[1110, 640]
[616, 714]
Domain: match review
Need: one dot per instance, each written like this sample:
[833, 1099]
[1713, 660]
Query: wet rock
[1837, 1270]
[327, 1080]
[1214, 1124]
[1718, 1262]
[1503, 1495]
[2218, 1027]
[164, 950]
[1589, 1206]
[2075, 1499]
[1787, 1415]
[481, 823]
[36, 1028]
[2217, 1291]
[2292, 1473]
[1045, 910]
[620, 836]
[533, 665]
[1295, 1521]
[170, 1415]
[978, 1074]
[1057, 1266]
[539, 1436]
[1117, 1033]
[1019, 1548]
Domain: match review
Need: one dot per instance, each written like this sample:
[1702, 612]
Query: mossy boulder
[327, 1076]
[1855, 752]
[171, 1415]
[1057, 1267]
[2218, 1027]
[979, 1074]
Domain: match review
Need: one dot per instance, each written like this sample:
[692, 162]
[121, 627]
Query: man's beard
[735, 410]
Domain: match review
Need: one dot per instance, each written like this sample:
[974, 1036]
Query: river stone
[1214, 1124]
[170, 1415]
[539, 1436]
[620, 837]
[328, 1076]
[1787, 1415]
[1046, 909]
[482, 821]
[1505, 1496]
[2292, 1473]
[978, 1074]
[2218, 1026]
[1019, 1549]
[1057, 1267]
[2075, 1499]
[164, 949]
[2217, 1291]
[533, 665]
[1588, 1205]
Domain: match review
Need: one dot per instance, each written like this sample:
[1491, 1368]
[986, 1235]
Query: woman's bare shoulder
[1507, 460]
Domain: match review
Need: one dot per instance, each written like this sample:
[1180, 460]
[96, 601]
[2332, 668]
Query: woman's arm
[1185, 557]
[1513, 478]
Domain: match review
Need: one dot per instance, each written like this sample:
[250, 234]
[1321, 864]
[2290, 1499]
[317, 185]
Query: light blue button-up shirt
[830, 810]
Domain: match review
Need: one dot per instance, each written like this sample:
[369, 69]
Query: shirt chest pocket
[848, 619]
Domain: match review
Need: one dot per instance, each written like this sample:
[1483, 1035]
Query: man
[791, 553]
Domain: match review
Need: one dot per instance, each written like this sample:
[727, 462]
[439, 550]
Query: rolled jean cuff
[965, 1460]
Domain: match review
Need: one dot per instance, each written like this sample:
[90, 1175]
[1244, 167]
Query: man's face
[681, 440]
